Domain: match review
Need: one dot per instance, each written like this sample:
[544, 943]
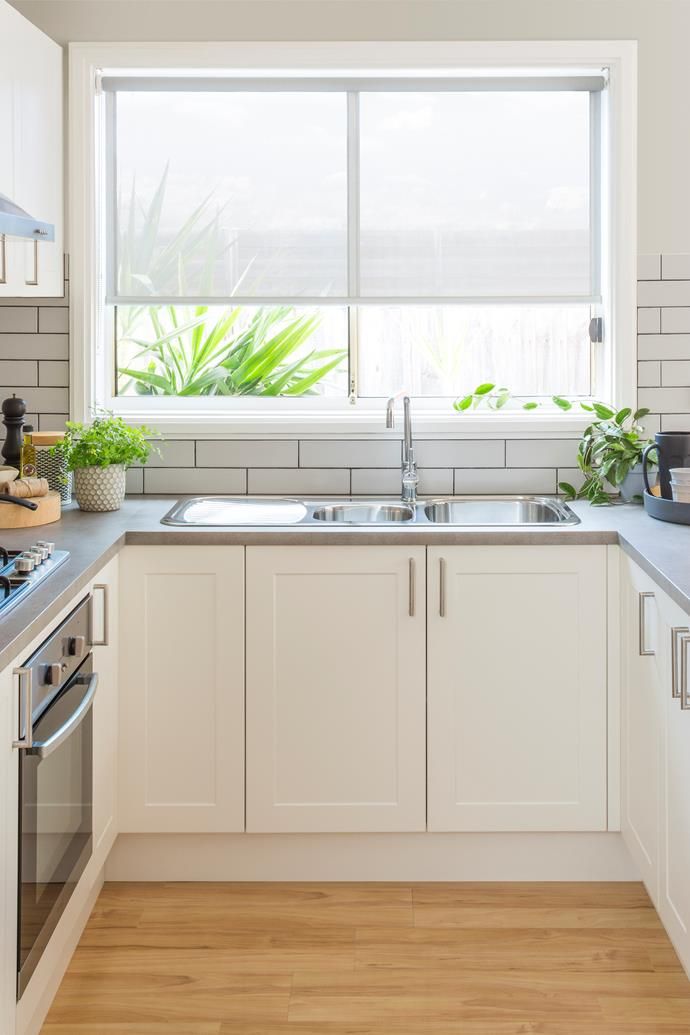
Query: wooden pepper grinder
[13, 418]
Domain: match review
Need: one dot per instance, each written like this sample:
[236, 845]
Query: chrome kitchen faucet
[410, 479]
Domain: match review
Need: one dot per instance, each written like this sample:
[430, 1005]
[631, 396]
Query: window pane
[253, 351]
[231, 193]
[449, 350]
[475, 194]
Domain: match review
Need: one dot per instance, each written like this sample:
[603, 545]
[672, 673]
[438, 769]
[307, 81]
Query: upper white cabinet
[336, 689]
[31, 153]
[517, 692]
[642, 720]
[182, 689]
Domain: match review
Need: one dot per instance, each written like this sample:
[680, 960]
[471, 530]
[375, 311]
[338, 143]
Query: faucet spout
[410, 479]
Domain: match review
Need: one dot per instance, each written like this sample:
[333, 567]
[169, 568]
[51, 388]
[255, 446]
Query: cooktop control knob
[76, 646]
[48, 547]
[24, 564]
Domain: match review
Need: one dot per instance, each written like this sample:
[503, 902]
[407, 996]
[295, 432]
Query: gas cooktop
[23, 570]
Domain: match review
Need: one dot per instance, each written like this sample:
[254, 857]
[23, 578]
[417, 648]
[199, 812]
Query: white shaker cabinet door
[105, 639]
[642, 719]
[9, 799]
[674, 893]
[181, 689]
[517, 692]
[335, 689]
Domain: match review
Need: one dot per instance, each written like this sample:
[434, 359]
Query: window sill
[363, 425]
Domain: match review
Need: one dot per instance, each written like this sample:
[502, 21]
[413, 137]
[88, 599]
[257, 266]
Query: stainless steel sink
[519, 510]
[235, 510]
[365, 513]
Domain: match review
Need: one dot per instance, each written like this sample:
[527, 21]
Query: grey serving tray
[667, 510]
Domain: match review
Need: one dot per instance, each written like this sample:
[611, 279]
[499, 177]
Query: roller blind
[354, 191]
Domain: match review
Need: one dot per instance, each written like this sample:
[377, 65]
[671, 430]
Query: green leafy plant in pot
[610, 452]
[99, 455]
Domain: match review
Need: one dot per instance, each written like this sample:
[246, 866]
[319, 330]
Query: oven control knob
[24, 564]
[48, 547]
[53, 674]
[76, 646]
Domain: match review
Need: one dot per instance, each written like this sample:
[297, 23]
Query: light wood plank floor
[373, 959]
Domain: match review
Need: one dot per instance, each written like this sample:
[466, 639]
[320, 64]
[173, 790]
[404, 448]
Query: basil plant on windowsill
[99, 455]
[609, 452]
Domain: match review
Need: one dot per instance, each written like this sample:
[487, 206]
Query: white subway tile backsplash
[53, 373]
[242, 453]
[648, 374]
[34, 346]
[505, 481]
[303, 481]
[649, 321]
[353, 453]
[663, 293]
[53, 320]
[674, 267]
[540, 452]
[448, 453]
[51, 421]
[173, 453]
[675, 320]
[134, 481]
[649, 267]
[675, 422]
[574, 476]
[378, 481]
[663, 346]
[675, 373]
[15, 373]
[192, 480]
[665, 400]
[18, 319]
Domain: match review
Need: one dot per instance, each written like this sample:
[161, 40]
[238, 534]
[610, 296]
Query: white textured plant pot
[100, 488]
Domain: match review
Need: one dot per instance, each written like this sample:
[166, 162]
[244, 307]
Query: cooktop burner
[23, 570]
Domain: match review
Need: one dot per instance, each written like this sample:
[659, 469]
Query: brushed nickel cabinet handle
[103, 642]
[684, 643]
[412, 588]
[442, 588]
[32, 281]
[675, 633]
[643, 649]
[3, 260]
[25, 685]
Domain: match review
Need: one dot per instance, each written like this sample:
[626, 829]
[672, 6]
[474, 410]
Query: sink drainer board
[473, 511]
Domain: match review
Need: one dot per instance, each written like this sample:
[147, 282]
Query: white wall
[662, 28]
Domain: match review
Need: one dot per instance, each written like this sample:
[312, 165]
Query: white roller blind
[354, 191]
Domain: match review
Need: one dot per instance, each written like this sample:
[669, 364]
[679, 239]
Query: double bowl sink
[483, 511]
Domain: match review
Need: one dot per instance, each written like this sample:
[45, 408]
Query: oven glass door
[55, 816]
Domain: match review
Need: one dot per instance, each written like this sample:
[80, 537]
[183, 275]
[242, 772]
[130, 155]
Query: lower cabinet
[9, 791]
[517, 688]
[182, 689]
[105, 639]
[336, 659]
[642, 721]
[674, 890]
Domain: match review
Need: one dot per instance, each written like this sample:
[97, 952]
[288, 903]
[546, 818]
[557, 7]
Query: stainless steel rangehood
[15, 222]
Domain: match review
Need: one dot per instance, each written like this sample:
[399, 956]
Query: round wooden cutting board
[48, 510]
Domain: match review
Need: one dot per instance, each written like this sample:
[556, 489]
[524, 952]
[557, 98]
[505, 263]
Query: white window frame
[209, 417]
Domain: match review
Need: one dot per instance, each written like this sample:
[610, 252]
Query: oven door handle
[46, 747]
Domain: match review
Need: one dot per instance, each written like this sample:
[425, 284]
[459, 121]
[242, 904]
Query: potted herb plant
[99, 454]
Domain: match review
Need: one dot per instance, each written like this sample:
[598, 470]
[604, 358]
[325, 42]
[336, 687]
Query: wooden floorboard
[373, 959]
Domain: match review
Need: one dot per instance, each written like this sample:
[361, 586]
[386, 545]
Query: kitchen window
[306, 242]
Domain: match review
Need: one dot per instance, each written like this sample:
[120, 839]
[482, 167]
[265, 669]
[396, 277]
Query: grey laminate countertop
[661, 549]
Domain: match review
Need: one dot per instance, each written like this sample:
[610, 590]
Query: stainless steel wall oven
[57, 687]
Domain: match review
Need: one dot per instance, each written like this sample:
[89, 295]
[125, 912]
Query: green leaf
[622, 415]
[568, 490]
[463, 404]
[484, 389]
[639, 414]
[563, 404]
[603, 412]
[530, 405]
